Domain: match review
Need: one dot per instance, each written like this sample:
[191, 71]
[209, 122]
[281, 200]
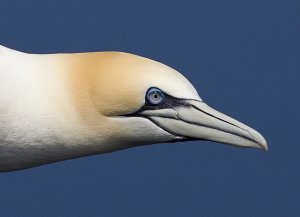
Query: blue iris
[155, 96]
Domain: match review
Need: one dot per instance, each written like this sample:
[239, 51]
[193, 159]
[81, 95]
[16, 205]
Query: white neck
[38, 123]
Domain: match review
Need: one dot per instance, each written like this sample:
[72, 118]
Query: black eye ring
[155, 96]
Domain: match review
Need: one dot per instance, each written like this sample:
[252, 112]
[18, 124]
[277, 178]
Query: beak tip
[261, 142]
[264, 146]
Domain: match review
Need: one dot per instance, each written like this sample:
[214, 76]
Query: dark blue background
[242, 56]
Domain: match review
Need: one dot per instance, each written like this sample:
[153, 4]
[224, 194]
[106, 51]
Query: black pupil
[155, 96]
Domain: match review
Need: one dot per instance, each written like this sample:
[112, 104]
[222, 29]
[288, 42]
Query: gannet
[55, 107]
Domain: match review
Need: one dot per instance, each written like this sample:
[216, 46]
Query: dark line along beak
[196, 120]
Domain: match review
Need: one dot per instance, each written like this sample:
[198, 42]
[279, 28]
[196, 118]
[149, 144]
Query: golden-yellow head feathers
[116, 82]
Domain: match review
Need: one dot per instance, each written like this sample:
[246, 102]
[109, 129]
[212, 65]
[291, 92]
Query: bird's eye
[155, 96]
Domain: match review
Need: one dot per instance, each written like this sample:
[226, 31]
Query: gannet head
[146, 102]
[73, 105]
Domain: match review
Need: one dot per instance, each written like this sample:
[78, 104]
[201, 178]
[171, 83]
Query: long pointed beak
[196, 120]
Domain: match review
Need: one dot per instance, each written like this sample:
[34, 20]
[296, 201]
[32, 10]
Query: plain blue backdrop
[244, 59]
